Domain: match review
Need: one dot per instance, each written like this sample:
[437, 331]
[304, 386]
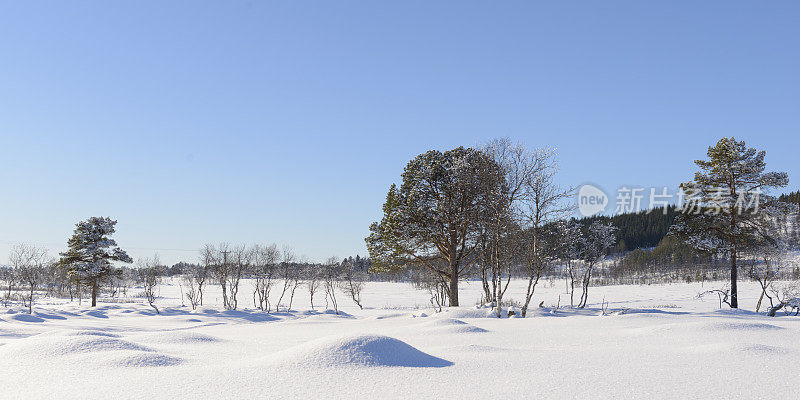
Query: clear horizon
[201, 122]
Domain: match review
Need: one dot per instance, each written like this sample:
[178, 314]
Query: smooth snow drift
[452, 325]
[362, 350]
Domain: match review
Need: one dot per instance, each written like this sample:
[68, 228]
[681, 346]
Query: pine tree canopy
[91, 250]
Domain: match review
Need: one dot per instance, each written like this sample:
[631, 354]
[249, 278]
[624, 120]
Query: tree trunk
[487, 294]
[734, 278]
[453, 295]
[95, 288]
[734, 271]
[775, 309]
[760, 298]
[529, 293]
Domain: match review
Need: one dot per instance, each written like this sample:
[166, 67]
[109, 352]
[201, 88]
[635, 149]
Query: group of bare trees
[276, 275]
[226, 265]
[30, 266]
[580, 249]
[767, 261]
[524, 231]
[33, 273]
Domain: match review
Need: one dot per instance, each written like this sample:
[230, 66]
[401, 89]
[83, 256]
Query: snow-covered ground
[669, 344]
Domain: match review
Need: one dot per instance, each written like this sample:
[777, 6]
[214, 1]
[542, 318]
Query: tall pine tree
[91, 251]
[723, 204]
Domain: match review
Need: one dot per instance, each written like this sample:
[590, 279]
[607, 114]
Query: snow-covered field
[669, 344]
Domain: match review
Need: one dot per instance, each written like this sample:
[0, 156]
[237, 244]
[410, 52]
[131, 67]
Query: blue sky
[194, 122]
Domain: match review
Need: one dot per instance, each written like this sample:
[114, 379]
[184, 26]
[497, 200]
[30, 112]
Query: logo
[591, 200]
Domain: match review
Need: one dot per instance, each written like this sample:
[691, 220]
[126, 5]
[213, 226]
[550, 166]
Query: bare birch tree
[546, 203]
[330, 271]
[288, 273]
[149, 272]
[29, 267]
[265, 259]
[313, 280]
[353, 282]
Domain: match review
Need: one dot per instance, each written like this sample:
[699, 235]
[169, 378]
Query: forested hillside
[793, 197]
[643, 229]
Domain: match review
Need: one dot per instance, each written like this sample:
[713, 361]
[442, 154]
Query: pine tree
[433, 219]
[91, 251]
[730, 193]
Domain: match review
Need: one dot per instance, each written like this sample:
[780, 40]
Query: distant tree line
[793, 198]
[639, 230]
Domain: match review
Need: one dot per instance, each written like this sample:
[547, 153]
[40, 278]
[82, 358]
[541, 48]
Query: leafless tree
[194, 279]
[11, 278]
[507, 208]
[353, 282]
[764, 272]
[769, 253]
[288, 273]
[58, 281]
[600, 237]
[29, 265]
[437, 289]
[150, 276]
[424, 279]
[570, 245]
[313, 280]
[217, 258]
[239, 263]
[545, 203]
[330, 271]
[295, 282]
[191, 292]
[202, 272]
[787, 298]
[724, 295]
[124, 280]
[265, 259]
[228, 265]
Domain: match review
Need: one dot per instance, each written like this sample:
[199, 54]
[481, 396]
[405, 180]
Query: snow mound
[142, 360]
[89, 332]
[96, 314]
[49, 346]
[452, 325]
[742, 326]
[389, 316]
[466, 313]
[445, 322]
[26, 318]
[179, 337]
[82, 332]
[463, 329]
[359, 351]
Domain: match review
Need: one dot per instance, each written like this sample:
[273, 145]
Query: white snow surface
[654, 342]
